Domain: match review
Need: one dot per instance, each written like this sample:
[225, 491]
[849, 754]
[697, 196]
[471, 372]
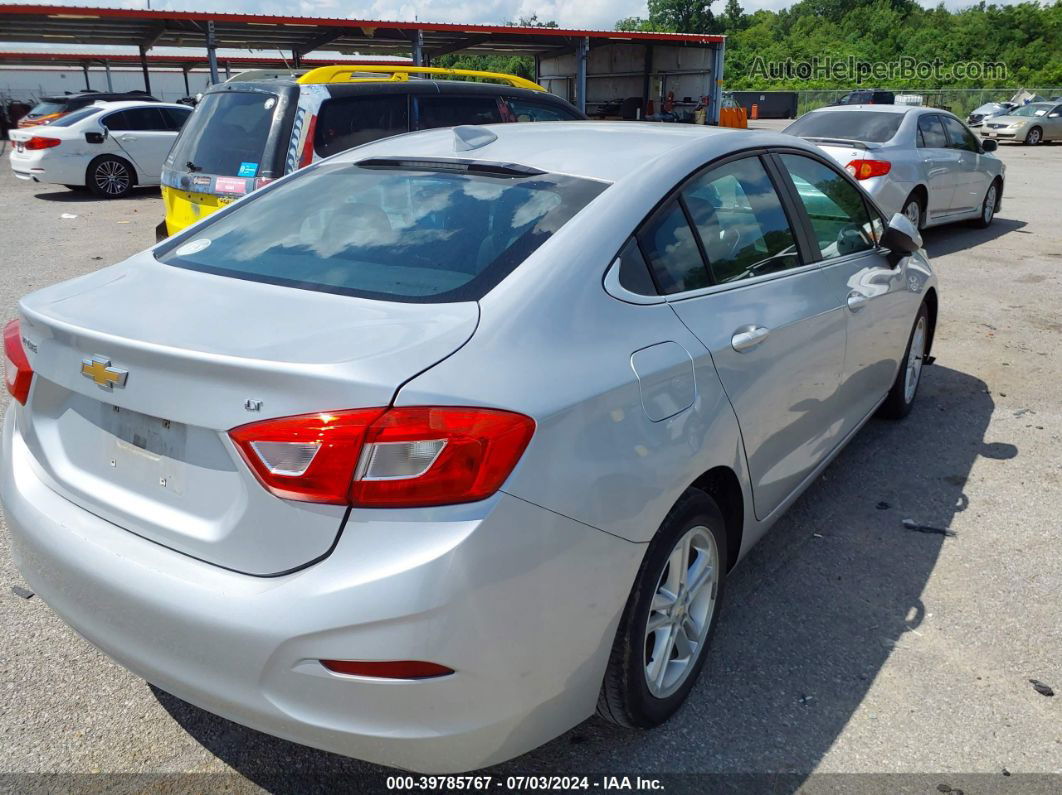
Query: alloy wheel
[1033, 137]
[989, 209]
[681, 612]
[913, 212]
[112, 177]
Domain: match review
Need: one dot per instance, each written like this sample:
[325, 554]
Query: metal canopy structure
[68, 25]
[176, 61]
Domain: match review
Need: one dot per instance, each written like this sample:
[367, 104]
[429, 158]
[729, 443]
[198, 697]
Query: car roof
[872, 107]
[608, 151]
[136, 103]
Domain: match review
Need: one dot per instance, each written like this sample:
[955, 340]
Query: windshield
[851, 125]
[226, 134]
[1035, 109]
[393, 233]
[990, 107]
[75, 117]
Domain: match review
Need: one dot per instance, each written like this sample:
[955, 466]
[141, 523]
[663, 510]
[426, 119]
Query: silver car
[428, 451]
[1030, 124]
[921, 162]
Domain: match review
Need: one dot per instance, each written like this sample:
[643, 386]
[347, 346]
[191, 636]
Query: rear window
[226, 135]
[76, 116]
[46, 107]
[851, 125]
[386, 233]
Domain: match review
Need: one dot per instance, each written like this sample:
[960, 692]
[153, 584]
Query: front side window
[931, 133]
[668, 242]
[959, 136]
[838, 214]
[175, 117]
[346, 122]
[529, 110]
[450, 110]
[136, 119]
[741, 222]
[391, 233]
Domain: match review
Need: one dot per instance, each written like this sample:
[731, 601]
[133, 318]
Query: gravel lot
[849, 644]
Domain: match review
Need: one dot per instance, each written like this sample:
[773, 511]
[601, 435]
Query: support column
[582, 55]
[184, 74]
[647, 80]
[84, 69]
[716, 88]
[212, 53]
[228, 74]
[418, 48]
[107, 71]
[296, 59]
[144, 69]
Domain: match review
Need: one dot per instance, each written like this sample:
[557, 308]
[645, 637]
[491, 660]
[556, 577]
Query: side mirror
[1053, 115]
[988, 145]
[901, 237]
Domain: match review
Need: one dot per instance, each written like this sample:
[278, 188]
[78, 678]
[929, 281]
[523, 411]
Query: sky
[585, 14]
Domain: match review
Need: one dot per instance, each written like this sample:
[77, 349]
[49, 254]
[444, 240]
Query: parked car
[867, 96]
[1031, 124]
[108, 148]
[50, 109]
[427, 451]
[246, 133]
[987, 111]
[921, 162]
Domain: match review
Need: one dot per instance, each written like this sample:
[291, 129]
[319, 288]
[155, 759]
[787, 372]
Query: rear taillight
[865, 169]
[386, 458]
[40, 142]
[307, 145]
[17, 371]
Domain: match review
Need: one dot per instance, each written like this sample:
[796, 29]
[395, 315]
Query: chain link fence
[959, 101]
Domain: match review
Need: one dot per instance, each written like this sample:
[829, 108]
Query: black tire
[1034, 137]
[110, 177]
[898, 403]
[915, 199]
[625, 697]
[988, 214]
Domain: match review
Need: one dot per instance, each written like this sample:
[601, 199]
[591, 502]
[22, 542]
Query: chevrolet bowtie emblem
[103, 375]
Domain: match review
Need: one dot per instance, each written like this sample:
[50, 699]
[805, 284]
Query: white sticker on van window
[193, 248]
[270, 102]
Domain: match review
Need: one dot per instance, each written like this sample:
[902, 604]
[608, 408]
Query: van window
[226, 134]
[450, 110]
[390, 233]
[345, 122]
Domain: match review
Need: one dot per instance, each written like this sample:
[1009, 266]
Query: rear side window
[839, 217]
[669, 245]
[931, 133]
[529, 110]
[387, 233]
[226, 135]
[136, 119]
[345, 122]
[741, 222]
[854, 125]
[449, 110]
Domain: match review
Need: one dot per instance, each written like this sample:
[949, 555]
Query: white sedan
[109, 147]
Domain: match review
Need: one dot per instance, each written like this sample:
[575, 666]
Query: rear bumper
[522, 603]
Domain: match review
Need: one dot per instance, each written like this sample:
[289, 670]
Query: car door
[859, 277]
[145, 135]
[939, 164]
[971, 180]
[725, 253]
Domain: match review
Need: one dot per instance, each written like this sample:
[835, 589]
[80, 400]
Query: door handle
[856, 301]
[128, 137]
[748, 338]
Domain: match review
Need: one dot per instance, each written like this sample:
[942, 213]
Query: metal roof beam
[326, 36]
[457, 46]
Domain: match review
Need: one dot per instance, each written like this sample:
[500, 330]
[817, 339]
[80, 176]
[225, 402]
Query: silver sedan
[428, 451]
[922, 162]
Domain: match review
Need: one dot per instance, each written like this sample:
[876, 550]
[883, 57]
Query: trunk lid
[202, 354]
[844, 152]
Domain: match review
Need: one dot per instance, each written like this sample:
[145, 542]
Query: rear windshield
[46, 107]
[851, 125]
[76, 116]
[393, 234]
[226, 135]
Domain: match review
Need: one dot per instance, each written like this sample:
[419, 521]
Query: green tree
[682, 16]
